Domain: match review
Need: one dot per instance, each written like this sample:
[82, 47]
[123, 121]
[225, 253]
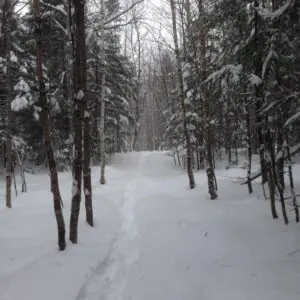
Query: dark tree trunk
[291, 179]
[271, 190]
[271, 155]
[79, 88]
[259, 97]
[44, 118]
[280, 159]
[249, 148]
[211, 178]
[87, 183]
[6, 48]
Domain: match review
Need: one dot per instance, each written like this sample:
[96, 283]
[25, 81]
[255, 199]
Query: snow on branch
[271, 55]
[65, 31]
[254, 80]
[123, 12]
[59, 8]
[292, 119]
[227, 75]
[267, 14]
[23, 97]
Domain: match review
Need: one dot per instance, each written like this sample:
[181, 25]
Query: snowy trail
[154, 239]
[109, 279]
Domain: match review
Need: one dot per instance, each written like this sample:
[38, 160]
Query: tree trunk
[205, 108]
[20, 160]
[7, 11]
[70, 80]
[137, 105]
[280, 159]
[249, 148]
[87, 183]
[259, 97]
[44, 119]
[292, 187]
[181, 96]
[102, 115]
[211, 179]
[271, 189]
[270, 147]
[79, 88]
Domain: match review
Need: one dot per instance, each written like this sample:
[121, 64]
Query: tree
[44, 119]
[6, 51]
[181, 96]
[79, 88]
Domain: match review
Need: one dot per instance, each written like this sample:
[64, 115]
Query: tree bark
[205, 107]
[6, 19]
[79, 88]
[181, 96]
[259, 96]
[280, 158]
[137, 104]
[102, 115]
[87, 183]
[249, 148]
[44, 119]
[291, 179]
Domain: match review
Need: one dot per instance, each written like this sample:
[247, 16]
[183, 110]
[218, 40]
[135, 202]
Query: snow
[108, 91]
[19, 103]
[280, 155]
[292, 119]
[154, 239]
[267, 14]
[74, 187]
[22, 86]
[231, 72]
[124, 120]
[271, 54]
[58, 8]
[80, 95]
[86, 114]
[23, 70]
[13, 57]
[254, 80]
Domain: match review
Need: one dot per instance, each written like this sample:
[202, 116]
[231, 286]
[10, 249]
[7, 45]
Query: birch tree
[181, 95]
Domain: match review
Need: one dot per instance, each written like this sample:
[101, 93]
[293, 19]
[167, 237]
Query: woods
[83, 80]
[239, 64]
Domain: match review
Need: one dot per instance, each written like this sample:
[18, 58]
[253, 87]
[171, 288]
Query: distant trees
[70, 94]
[239, 92]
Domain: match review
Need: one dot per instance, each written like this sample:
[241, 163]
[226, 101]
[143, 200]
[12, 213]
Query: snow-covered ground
[154, 239]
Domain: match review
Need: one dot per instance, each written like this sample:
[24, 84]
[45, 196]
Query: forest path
[175, 244]
[109, 279]
[154, 238]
